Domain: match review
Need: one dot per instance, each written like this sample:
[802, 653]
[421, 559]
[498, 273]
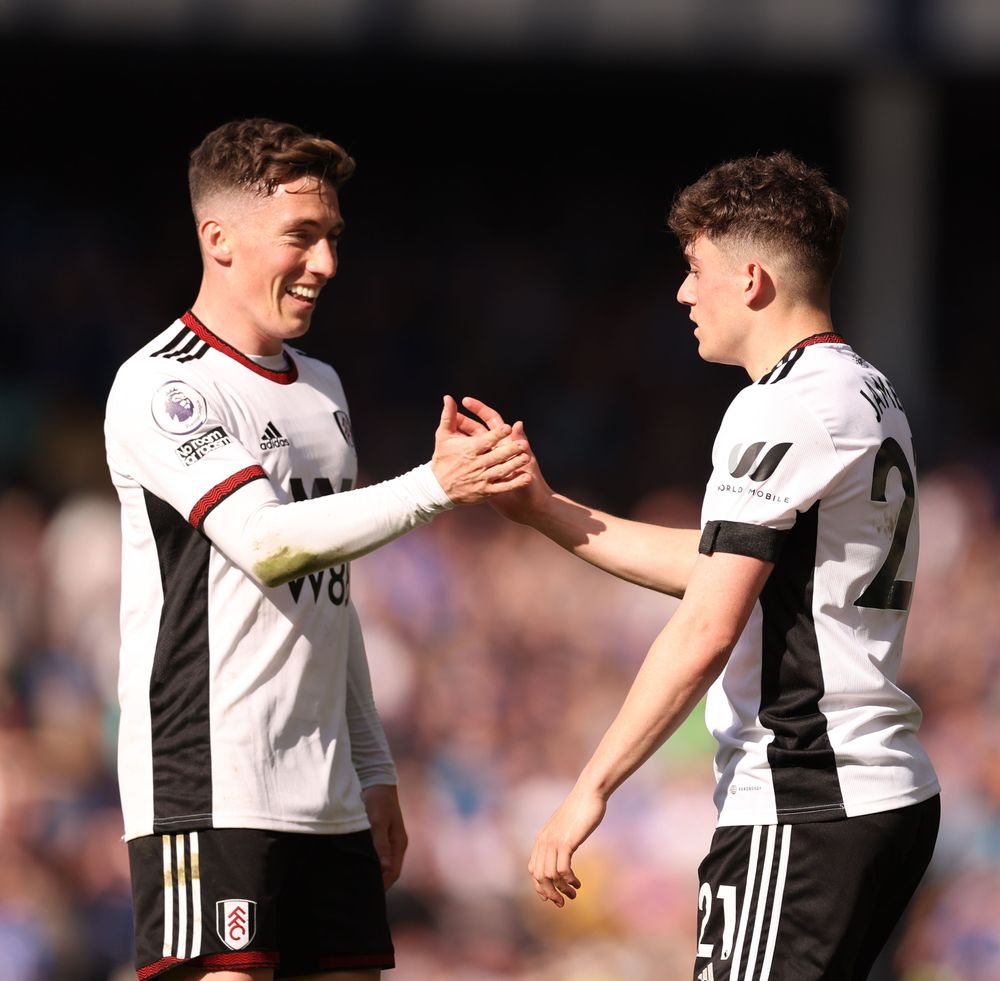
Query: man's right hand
[482, 467]
[522, 502]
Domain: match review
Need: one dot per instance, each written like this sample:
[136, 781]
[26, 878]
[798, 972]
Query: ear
[215, 240]
[758, 286]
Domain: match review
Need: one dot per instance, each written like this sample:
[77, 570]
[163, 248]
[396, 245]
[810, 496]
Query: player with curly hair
[795, 593]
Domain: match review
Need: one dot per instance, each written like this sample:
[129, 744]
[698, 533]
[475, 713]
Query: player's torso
[808, 704]
[271, 661]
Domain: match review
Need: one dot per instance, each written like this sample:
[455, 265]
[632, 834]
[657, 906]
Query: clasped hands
[474, 462]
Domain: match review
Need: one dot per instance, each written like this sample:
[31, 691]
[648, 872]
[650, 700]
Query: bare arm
[650, 555]
[684, 660]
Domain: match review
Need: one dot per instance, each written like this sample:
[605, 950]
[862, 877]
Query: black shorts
[239, 899]
[809, 902]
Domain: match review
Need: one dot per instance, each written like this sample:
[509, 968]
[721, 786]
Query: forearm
[677, 672]
[687, 656]
[650, 555]
[275, 542]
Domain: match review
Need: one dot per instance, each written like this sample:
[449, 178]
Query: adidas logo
[272, 438]
[707, 975]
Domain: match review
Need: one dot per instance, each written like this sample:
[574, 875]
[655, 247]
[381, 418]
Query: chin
[296, 329]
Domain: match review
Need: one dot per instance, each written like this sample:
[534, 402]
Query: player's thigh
[798, 902]
[206, 901]
[340, 976]
[911, 833]
[198, 974]
[333, 919]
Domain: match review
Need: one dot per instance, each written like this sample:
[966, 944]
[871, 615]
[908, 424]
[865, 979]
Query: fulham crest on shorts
[236, 922]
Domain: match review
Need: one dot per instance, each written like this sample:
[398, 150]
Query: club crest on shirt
[236, 922]
[344, 422]
[178, 408]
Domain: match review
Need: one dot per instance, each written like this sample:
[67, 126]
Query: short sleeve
[173, 436]
[772, 459]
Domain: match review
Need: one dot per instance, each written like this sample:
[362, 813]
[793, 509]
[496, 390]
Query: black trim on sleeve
[740, 538]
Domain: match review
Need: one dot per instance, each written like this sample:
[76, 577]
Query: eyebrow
[336, 229]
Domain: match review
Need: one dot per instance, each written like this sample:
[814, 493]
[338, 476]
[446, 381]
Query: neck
[225, 322]
[777, 339]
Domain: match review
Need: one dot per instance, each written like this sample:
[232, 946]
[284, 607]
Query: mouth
[306, 295]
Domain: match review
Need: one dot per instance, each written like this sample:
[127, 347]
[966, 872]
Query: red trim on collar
[285, 377]
[820, 339]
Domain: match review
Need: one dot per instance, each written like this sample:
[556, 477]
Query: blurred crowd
[544, 285]
[497, 662]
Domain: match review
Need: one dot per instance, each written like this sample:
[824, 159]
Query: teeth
[306, 292]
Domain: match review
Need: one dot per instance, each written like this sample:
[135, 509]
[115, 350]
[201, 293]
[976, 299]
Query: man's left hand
[388, 831]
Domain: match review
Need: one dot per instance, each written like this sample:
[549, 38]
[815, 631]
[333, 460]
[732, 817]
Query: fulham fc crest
[344, 422]
[236, 922]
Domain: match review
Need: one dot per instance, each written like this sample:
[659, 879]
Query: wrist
[593, 784]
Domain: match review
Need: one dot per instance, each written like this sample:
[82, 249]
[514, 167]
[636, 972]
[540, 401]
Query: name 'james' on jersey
[813, 469]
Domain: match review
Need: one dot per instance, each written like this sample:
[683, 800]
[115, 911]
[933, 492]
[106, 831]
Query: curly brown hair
[258, 155]
[776, 201]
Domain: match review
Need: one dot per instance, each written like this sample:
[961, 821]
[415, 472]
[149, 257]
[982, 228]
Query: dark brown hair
[258, 155]
[776, 201]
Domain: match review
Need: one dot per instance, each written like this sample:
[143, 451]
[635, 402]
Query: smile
[308, 293]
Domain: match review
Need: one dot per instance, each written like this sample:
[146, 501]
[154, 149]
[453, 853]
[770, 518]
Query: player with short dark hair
[258, 789]
[795, 597]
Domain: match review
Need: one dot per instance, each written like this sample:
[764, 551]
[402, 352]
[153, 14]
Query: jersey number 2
[885, 591]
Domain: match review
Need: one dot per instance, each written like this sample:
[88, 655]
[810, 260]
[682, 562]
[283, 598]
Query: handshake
[481, 459]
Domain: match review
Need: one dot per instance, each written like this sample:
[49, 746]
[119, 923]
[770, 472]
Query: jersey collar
[827, 338]
[283, 376]
[788, 359]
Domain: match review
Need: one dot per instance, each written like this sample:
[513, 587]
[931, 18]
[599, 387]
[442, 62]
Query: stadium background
[516, 159]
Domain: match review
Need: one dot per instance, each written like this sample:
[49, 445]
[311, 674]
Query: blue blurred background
[516, 159]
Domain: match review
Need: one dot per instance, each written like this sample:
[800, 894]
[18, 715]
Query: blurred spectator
[498, 661]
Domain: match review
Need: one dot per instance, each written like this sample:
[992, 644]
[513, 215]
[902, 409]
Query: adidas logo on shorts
[272, 438]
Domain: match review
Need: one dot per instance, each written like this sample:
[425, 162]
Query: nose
[686, 293]
[323, 259]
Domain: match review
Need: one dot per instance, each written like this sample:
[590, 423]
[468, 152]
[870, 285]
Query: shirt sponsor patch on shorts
[194, 449]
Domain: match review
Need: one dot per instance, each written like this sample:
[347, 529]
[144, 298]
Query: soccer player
[258, 789]
[795, 596]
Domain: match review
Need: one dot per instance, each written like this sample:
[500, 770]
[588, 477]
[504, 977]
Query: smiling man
[795, 597]
[258, 790]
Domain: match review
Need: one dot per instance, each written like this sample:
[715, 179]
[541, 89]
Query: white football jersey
[232, 694]
[813, 470]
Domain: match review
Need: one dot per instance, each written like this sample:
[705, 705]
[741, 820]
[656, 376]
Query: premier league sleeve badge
[178, 408]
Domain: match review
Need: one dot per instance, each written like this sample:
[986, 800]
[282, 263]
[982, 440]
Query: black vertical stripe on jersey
[803, 764]
[179, 684]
